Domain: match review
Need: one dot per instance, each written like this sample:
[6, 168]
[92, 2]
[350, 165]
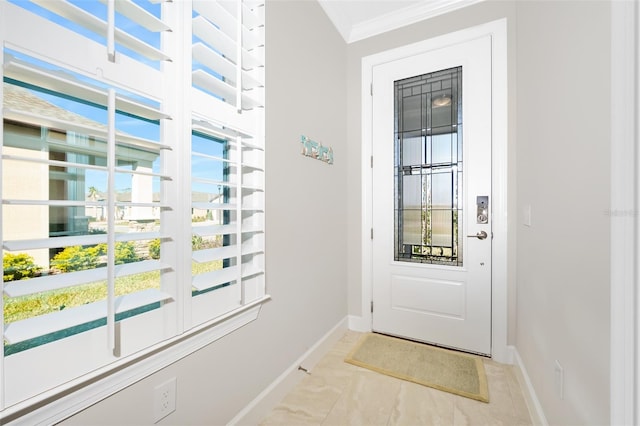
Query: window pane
[412, 151]
[412, 209]
[213, 214]
[56, 215]
[411, 113]
[428, 168]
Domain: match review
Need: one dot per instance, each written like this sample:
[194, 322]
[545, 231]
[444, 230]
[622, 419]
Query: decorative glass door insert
[428, 168]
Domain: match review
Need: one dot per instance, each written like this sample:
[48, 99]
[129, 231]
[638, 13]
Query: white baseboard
[260, 407]
[504, 354]
[359, 324]
[533, 403]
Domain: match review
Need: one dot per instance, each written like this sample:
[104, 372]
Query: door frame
[500, 350]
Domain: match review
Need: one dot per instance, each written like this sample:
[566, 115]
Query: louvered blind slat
[213, 60]
[97, 132]
[213, 206]
[205, 231]
[214, 85]
[45, 324]
[218, 15]
[32, 74]
[81, 17]
[222, 130]
[211, 279]
[82, 240]
[137, 14]
[214, 37]
[70, 279]
[209, 255]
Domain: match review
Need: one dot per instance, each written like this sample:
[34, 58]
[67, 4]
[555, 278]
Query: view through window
[429, 168]
[132, 180]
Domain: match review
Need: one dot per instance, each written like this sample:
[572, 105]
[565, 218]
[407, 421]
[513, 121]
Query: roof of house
[21, 99]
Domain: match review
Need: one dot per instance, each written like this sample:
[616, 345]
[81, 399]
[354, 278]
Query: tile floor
[337, 393]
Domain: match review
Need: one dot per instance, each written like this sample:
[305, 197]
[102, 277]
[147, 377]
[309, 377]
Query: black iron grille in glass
[428, 168]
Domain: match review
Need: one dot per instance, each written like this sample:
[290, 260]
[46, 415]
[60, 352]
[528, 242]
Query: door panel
[428, 296]
[432, 156]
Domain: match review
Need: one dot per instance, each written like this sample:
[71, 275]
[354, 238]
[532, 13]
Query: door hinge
[372, 233]
[372, 306]
[371, 89]
[372, 161]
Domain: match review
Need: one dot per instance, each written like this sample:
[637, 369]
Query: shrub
[126, 252]
[79, 258]
[154, 249]
[19, 267]
[197, 242]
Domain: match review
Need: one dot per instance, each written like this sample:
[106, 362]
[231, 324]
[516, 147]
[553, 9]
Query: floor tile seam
[514, 386]
[508, 380]
[493, 412]
[333, 406]
[396, 402]
[431, 409]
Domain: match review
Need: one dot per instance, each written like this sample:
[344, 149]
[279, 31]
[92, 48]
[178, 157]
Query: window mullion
[182, 162]
[173, 190]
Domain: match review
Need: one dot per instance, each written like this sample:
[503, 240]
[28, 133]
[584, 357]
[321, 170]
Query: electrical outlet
[559, 379]
[164, 400]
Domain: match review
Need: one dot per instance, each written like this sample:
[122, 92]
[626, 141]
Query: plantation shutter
[66, 128]
[227, 160]
[132, 185]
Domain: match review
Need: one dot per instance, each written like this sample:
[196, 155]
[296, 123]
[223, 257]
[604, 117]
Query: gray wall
[306, 247]
[563, 120]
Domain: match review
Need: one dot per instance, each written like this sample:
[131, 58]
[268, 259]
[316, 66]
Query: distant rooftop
[21, 99]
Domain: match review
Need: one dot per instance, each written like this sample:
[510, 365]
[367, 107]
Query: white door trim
[624, 214]
[498, 31]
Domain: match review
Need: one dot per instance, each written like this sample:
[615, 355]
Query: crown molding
[337, 17]
[352, 32]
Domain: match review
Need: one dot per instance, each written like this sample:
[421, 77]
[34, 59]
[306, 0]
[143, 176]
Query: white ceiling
[360, 19]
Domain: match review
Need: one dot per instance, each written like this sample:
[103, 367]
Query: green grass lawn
[23, 307]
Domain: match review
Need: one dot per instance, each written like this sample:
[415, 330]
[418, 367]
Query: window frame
[171, 84]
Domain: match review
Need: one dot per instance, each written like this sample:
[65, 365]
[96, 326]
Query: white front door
[432, 196]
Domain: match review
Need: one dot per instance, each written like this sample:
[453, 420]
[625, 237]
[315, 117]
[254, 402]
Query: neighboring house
[22, 183]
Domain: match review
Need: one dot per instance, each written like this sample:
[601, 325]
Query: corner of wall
[261, 405]
[538, 417]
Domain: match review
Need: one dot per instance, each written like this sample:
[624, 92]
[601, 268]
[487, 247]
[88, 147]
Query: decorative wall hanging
[315, 150]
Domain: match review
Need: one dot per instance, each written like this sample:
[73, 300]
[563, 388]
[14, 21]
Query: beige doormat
[442, 369]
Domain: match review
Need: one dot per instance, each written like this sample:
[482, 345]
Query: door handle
[481, 235]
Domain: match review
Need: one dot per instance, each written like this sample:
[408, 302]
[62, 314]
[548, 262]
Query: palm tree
[93, 193]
